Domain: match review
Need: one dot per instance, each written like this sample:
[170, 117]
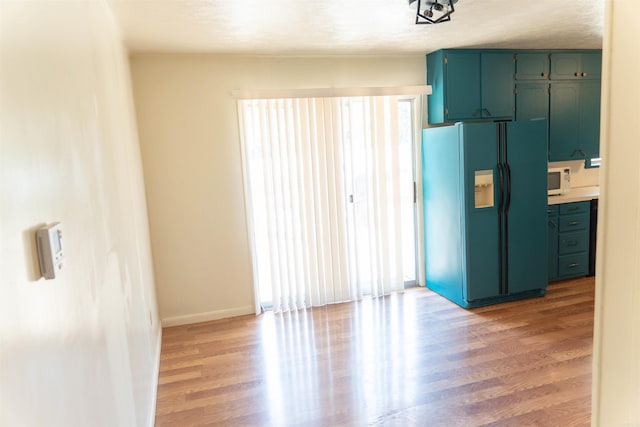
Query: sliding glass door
[330, 197]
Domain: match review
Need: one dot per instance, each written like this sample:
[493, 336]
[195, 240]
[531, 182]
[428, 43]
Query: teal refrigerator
[485, 211]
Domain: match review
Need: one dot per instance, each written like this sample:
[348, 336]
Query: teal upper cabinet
[470, 85]
[497, 85]
[532, 66]
[591, 65]
[574, 121]
[532, 100]
[571, 80]
[576, 66]
[564, 122]
[590, 120]
[566, 66]
[562, 86]
[462, 86]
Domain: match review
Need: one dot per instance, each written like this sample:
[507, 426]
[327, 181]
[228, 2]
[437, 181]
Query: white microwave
[558, 181]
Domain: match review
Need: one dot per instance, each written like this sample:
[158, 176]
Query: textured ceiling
[329, 27]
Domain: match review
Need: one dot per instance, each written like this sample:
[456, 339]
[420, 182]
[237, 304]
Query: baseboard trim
[205, 317]
[156, 370]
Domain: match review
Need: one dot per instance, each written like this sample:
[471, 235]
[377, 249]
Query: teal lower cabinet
[553, 242]
[568, 240]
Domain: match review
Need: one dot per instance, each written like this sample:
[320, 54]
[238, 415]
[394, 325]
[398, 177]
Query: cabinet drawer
[573, 242]
[574, 208]
[573, 265]
[573, 223]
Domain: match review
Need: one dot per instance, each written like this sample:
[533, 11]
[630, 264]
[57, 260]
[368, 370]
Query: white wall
[616, 375]
[188, 127]
[80, 350]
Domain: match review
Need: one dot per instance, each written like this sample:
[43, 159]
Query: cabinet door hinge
[446, 112]
[515, 76]
[446, 60]
[515, 91]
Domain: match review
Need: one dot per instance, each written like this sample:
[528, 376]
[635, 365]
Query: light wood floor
[412, 359]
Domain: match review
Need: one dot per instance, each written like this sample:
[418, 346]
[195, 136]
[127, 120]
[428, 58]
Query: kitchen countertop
[577, 194]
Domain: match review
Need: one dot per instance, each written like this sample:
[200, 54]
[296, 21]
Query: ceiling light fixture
[433, 11]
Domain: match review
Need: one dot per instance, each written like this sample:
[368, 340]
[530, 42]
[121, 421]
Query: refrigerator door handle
[500, 220]
[501, 188]
[508, 202]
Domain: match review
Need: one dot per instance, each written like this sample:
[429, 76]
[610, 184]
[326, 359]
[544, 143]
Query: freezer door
[443, 212]
[526, 205]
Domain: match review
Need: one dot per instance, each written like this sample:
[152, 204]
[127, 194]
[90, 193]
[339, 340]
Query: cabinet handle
[572, 243]
[574, 208]
[580, 152]
[576, 74]
[585, 74]
[553, 224]
[574, 265]
[544, 74]
[574, 223]
[487, 111]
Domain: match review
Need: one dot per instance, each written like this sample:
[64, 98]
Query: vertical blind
[323, 199]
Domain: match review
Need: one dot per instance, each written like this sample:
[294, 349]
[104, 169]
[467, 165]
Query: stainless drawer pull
[574, 223]
[574, 208]
[574, 265]
[573, 243]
